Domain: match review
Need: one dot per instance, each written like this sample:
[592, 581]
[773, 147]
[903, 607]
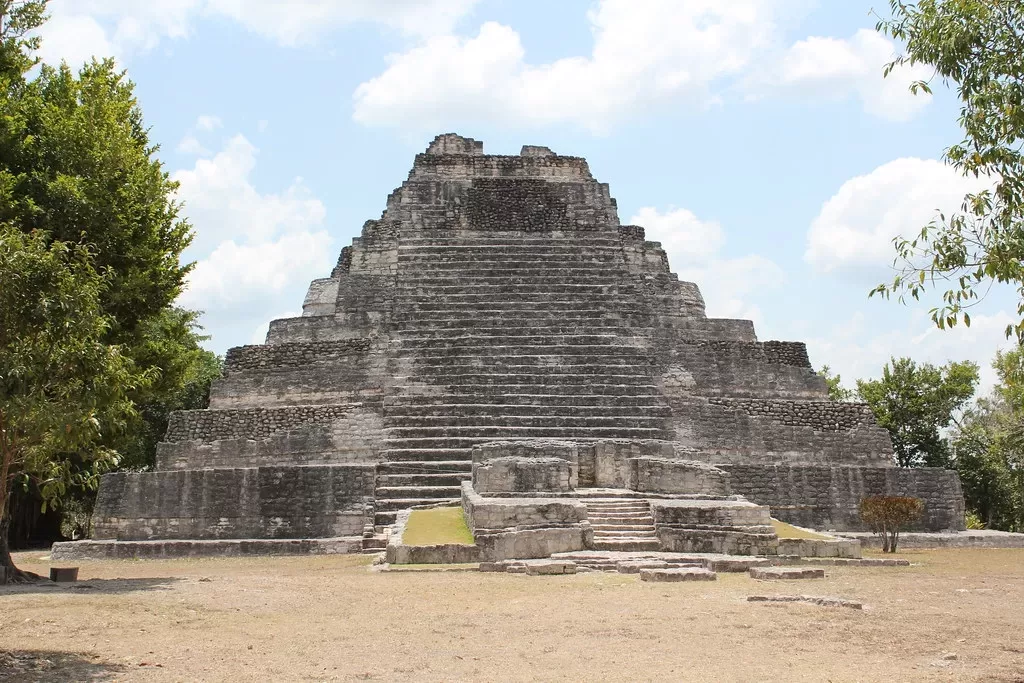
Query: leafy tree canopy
[977, 46]
[916, 403]
[62, 387]
[836, 390]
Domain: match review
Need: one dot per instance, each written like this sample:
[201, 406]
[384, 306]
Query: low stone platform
[678, 574]
[809, 599]
[973, 538]
[134, 550]
[531, 567]
[606, 560]
[787, 573]
[856, 561]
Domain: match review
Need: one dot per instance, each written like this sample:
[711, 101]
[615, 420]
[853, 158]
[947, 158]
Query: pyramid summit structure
[498, 336]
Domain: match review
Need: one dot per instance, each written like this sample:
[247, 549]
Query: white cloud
[854, 354]
[834, 68]
[643, 54]
[693, 247]
[224, 205]
[191, 146]
[235, 275]
[254, 250]
[80, 29]
[207, 123]
[855, 227]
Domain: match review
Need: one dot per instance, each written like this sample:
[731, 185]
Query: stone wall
[261, 423]
[663, 475]
[264, 502]
[298, 354]
[517, 474]
[486, 515]
[828, 497]
[776, 432]
[734, 527]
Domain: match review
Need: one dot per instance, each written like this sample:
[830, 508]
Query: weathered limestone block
[664, 475]
[516, 474]
[714, 526]
[550, 567]
[675, 575]
[769, 573]
[808, 547]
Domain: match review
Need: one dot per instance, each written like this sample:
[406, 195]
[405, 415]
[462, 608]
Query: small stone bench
[787, 573]
[678, 574]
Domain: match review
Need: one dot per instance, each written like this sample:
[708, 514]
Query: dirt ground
[332, 618]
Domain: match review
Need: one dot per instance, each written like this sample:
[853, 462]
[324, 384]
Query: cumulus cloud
[224, 205]
[837, 69]
[693, 247]
[856, 226]
[644, 54]
[80, 29]
[254, 250]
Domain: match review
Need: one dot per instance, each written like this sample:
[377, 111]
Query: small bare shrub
[887, 515]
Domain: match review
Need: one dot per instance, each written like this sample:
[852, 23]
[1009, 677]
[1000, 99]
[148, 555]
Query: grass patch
[437, 526]
[783, 530]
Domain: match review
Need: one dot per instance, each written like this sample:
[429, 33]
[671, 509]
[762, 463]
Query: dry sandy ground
[331, 618]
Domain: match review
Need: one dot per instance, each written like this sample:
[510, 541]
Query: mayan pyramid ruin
[497, 336]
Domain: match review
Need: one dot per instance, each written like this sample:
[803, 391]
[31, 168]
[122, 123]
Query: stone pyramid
[497, 298]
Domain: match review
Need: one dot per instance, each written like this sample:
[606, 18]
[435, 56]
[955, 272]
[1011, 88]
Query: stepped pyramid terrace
[498, 340]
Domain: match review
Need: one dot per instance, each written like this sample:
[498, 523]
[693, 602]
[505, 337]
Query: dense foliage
[977, 46]
[916, 403]
[62, 387]
[79, 179]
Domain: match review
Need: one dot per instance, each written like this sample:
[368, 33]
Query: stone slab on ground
[736, 563]
[810, 599]
[133, 550]
[858, 562]
[972, 538]
[634, 566]
[677, 574]
[540, 567]
[787, 573]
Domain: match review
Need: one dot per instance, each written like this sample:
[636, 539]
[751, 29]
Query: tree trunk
[14, 574]
[895, 540]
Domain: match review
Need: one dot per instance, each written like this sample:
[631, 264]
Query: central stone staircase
[509, 337]
[622, 524]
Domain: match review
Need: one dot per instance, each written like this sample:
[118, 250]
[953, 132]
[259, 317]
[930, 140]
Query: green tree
[978, 46]
[77, 164]
[916, 404]
[836, 390]
[62, 387]
[989, 448]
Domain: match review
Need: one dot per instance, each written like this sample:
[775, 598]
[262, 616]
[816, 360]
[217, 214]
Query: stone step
[621, 534]
[491, 409]
[520, 269]
[620, 529]
[393, 455]
[638, 519]
[503, 392]
[470, 347]
[566, 302]
[511, 287]
[536, 377]
[432, 467]
[516, 364]
[404, 492]
[469, 278]
[519, 421]
[407, 307]
[512, 326]
[581, 434]
[395, 480]
[626, 544]
[396, 504]
[458, 434]
[544, 401]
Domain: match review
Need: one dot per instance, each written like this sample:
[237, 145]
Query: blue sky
[757, 139]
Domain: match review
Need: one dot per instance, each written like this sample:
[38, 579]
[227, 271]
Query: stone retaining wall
[828, 497]
[264, 502]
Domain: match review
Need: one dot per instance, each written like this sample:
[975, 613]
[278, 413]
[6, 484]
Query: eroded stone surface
[787, 573]
[680, 574]
[809, 599]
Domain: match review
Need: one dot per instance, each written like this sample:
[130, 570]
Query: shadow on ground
[92, 586]
[45, 666]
